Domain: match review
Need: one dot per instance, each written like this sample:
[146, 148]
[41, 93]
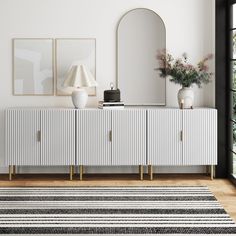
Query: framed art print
[69, 52]
[33, 66]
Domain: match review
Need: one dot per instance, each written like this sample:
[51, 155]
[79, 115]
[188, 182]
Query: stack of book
[110, 105]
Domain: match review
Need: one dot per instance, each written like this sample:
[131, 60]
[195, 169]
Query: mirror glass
[33, 67]
[74, 52]
[140, 34]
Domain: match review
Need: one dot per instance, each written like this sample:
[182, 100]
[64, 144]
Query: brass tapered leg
[150, 172]
[10, 172]
[212, 172]
[71, 172]
[14, 170]
[81, 172]
[141, 172]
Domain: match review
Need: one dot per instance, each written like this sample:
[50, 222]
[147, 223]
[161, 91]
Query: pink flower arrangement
[181, 71]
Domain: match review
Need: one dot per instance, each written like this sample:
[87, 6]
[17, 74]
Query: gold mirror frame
[117, 56]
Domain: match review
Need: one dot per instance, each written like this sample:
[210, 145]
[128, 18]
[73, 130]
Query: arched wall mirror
[140, 34]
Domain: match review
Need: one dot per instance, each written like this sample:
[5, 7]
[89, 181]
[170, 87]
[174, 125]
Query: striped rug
[112, 210]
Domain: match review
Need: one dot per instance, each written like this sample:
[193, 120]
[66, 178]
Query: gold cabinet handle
[39, 136]
[181, 136]
[110, 135]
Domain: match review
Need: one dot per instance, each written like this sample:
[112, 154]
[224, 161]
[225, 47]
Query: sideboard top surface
[94, 108]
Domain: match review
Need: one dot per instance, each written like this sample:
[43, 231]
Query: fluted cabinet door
[129, 137]
[93, 142]
[58, 137]
[22, 144]
[200, 137]
[164, 137]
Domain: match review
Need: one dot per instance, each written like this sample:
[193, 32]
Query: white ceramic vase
[79, 98]
[186, 97]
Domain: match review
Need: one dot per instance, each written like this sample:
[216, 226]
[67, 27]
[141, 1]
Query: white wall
[189, 25]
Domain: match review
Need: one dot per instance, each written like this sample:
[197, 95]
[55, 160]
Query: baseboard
[107, 169]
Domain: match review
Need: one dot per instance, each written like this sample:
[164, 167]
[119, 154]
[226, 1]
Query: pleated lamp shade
[79, 76]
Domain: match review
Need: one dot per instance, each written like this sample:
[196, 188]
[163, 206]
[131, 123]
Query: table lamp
[79, 77]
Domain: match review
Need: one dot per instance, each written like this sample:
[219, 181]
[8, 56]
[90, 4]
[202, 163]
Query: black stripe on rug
[118, 230]
[112, 211]
[116, 198]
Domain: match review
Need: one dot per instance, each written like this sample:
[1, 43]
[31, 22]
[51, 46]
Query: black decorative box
[112, 95]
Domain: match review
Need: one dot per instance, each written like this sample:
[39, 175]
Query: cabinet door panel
[129, 137]
[200, 137]
[22, 145]
[164, 137]
[93, 144]
[58, 137]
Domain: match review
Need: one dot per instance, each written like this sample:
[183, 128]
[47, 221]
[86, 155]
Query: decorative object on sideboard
[185, 97]
[33, 66]
[110, 105]
[111, 99]
[185, 74]
[71, 51]
[79, 77]
[111, 95]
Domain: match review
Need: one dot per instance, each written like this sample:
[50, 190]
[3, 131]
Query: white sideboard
[93, 137]
[182, 137]
[116, 137]
[40, 137]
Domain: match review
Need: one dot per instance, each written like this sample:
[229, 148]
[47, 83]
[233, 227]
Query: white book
[111, 103]
[111, 108]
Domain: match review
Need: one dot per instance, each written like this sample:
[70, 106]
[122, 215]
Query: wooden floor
[223, 190]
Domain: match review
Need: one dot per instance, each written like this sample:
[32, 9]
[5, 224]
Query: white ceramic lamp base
[79, 98]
